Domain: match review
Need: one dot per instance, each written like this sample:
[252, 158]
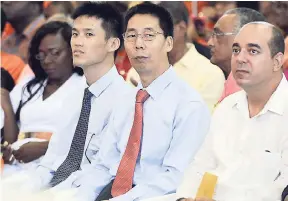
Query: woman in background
[41, 106]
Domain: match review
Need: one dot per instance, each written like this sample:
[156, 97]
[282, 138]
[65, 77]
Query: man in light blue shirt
[95, 40]
[174, 120]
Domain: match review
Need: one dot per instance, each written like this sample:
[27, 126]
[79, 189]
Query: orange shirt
[13, 64]
[18, 45]
[230, 87]
[122, 63]
[8, 30]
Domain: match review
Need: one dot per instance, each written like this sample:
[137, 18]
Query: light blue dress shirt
[176, 121]
[106, 91]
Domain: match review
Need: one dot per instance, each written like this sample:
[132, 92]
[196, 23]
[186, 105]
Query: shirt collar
[156, 88]
[277, 101]
[100, 85]
[275, 104]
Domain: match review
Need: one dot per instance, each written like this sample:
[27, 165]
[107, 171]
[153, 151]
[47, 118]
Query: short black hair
[165, 19]
[177, 10]
[245, 16]
[3, 20]
[112, 20]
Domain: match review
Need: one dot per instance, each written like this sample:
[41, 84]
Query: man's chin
[213, 61]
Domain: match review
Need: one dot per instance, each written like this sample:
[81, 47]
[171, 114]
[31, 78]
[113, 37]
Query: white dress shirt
[249, 155]
[176, 121]
[40, 115]
[106, 92]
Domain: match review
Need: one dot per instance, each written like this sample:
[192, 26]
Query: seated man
[95, 39]
[247, 147]
[144, 151]
[192, 67]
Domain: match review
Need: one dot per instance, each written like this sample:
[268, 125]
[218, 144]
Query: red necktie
[124, 177]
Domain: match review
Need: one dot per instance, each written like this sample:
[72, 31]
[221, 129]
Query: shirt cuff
[44, 176]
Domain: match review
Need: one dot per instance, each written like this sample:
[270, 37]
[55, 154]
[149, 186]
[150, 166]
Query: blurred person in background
[276, 13]
[58, 7]
[7, 84]
[25, 17]
[36, 107]
[196, 70]
[11, 63]
[222, 39]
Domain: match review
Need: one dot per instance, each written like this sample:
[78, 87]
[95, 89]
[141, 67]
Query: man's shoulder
[195, 59]
[231, 100]
[184, 92]
[121, 86]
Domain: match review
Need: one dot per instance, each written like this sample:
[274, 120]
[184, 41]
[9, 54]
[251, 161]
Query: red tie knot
[142, 96]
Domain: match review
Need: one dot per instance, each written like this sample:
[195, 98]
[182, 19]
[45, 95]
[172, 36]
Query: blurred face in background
[221, 42]
[55, 56]
[17, 10]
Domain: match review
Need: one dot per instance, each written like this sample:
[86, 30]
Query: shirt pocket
[93, 146]
[265, 166]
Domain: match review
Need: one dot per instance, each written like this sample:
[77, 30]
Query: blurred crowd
[88, 87]
[24, 18]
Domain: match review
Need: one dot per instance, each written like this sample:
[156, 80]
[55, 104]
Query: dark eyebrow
[85, 29]
[254, 45]
[131, 29]
[88, 29]
[146, 29]
[235, 45]
[149, 29]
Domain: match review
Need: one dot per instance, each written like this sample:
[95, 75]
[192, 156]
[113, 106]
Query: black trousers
[106, 192]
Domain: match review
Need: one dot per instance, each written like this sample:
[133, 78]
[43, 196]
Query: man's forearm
[43, 146]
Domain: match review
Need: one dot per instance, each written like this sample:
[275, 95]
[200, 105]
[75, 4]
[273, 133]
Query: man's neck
[94, 72]
[149, 77]
[19, 27]
[258, 97]
[226, 68]
[178, 52]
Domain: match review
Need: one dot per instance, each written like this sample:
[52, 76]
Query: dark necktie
[74, 158]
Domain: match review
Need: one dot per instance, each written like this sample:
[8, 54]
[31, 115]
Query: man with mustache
[222, 38]
[249, 155]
